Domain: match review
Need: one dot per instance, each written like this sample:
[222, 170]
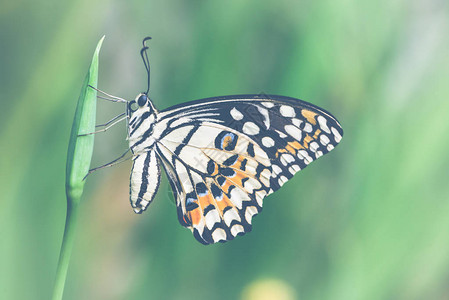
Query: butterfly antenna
[146, 60]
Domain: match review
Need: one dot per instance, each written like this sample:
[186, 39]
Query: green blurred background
[370, 220]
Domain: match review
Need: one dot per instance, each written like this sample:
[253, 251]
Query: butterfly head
[141, 116]
[141, 105]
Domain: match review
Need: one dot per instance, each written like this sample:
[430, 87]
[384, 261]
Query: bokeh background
[370, 220]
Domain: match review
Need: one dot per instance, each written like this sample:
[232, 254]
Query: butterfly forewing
[224, 155]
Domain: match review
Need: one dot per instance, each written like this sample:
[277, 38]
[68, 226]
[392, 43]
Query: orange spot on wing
[309, 115]
[296, 145]
[226, 186]
[307, 140]
[317, 133]
[222, 204]
[238, 162]
[280, 151]
[226, 141]
[237, 179]
[290, 149]
[205, 201]
[195, 216]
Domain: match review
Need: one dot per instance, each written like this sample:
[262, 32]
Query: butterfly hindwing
[222, 185]
[224, 155]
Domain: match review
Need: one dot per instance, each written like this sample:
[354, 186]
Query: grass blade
[79, 156]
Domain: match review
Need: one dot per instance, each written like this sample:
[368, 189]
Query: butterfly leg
[113, 98]
[104, 129]
[110, 164]
[111, 120]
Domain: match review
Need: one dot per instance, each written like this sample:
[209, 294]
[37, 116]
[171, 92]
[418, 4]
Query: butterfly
[223, 155]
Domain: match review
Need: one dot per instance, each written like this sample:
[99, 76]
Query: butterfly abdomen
[144, 181]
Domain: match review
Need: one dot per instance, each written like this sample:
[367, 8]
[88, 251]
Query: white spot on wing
[219, 235]
[211, 218]
[266, 117]
[259, 153]
[144, 203]
[255, 184]
[238, 196]
[336, 135]
[302, 154]
[268, 104]
[295, 132]
[249, 213]
[287, 158]
[296, 122]
[235, 114]
[259, 197]
[323, 124]
[267, 142]
[265, 177]
[308, 127]
[276, 169]
[287, 111]
[308, 159]
[236, 229]
[314, 146]
[250, 128]
[230, 215]
[282, 180]
[293, 169]
[281, 134]
[324, 140]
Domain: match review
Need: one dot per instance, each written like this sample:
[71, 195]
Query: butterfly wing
[224, 155]
[217, 184]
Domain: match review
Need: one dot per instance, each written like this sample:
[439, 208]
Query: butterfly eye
[133, 106]
[142, 100]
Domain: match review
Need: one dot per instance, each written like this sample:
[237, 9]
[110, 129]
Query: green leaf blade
[80, 149]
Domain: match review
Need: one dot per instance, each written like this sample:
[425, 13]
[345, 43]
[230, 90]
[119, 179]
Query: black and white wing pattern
[224, 155]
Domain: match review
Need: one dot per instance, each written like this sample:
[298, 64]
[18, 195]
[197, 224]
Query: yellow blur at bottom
[268, 289]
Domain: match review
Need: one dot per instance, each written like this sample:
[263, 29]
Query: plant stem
[66, 248]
